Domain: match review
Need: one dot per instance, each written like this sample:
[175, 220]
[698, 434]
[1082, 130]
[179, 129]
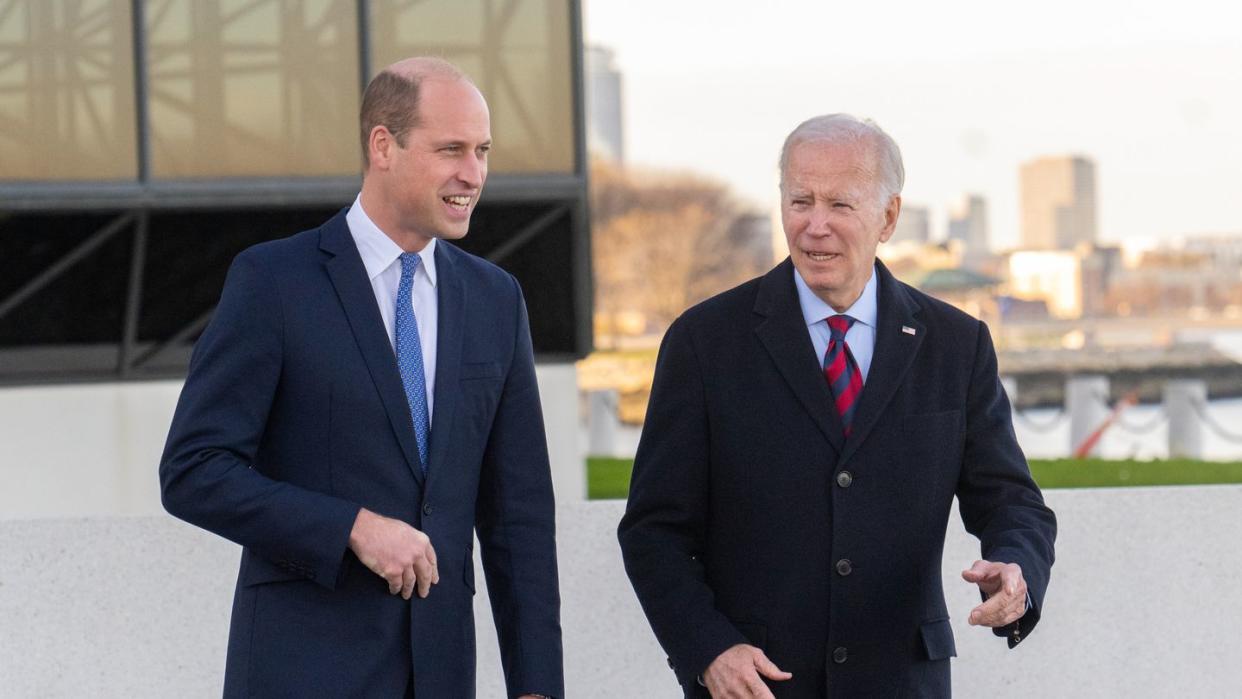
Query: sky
[1151, 91]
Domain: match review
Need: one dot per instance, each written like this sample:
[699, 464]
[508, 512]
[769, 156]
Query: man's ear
[380, 143]
[891, 212]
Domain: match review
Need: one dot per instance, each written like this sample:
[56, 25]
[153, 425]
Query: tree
[664, 241]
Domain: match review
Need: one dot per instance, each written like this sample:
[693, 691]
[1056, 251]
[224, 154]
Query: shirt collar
[815, 309]
[378, 251]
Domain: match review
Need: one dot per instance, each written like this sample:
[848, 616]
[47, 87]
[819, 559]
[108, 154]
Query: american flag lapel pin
[907, 329]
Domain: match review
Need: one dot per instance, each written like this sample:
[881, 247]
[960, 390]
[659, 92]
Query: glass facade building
[144, 143]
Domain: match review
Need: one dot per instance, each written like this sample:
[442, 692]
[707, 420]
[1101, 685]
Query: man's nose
[819, 222]
[472, 171]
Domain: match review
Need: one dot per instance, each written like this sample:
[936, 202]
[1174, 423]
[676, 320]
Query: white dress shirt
[861, 335]
[382, 259]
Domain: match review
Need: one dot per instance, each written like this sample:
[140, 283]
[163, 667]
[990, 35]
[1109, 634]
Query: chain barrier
[1158, 419]
[1103, 400]
[1201, 409]
[1049, 426]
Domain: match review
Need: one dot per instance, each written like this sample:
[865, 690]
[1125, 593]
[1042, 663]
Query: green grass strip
[1100, 473]
[609, 478]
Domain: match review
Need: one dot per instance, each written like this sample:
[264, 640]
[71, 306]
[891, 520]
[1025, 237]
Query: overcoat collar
[782, 331]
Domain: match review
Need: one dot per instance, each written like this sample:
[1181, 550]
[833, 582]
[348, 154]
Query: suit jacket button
[844, 567]
[427, 509]
[845, 479]
[840, 655]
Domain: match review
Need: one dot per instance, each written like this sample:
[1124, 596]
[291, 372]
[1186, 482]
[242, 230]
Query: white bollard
[603, 406]
[558, 393]
[1086, 401]
[1010, 384]
[1185, 428]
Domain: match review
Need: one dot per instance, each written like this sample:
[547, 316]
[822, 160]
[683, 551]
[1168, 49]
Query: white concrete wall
[1143, 603]
[93, 449]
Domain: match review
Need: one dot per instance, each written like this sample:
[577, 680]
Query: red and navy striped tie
[844, 378]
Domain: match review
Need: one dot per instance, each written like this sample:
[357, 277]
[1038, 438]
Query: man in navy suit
[806, 435]
[363, 401]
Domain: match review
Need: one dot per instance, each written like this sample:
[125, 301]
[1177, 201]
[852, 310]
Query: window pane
[517, 51]
[253, 87]
[66, 90]
[72, 322]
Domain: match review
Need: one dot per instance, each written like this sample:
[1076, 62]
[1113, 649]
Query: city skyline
[969, 90]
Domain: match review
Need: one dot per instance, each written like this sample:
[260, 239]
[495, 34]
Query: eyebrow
[845, 196]
[461, 143]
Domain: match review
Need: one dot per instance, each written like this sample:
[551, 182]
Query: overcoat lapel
[783, 333]
[895, 349]
[349, 277]
[450, 330]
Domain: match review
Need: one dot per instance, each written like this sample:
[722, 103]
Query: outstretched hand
[1005, 589]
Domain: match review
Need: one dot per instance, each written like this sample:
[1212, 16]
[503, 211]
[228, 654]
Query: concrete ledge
[1143, 603]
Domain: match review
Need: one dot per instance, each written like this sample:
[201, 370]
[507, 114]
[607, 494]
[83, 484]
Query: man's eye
[841, 205]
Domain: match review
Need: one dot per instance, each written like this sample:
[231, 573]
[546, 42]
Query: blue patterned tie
[410, 356]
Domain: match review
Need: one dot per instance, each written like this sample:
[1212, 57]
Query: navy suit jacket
[293, 417]
[752, 519]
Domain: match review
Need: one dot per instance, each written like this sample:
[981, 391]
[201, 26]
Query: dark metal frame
[137, 199]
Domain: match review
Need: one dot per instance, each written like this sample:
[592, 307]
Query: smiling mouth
[457, 203]
[821, 256]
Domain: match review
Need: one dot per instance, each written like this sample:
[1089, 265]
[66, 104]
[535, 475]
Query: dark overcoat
[752, 519]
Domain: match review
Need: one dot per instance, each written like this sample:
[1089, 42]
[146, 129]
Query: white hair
[845, 128]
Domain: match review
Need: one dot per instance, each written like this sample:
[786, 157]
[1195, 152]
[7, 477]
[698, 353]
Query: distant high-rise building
[968, 222]
[605, 135]
[913, 225]
[1058, 203]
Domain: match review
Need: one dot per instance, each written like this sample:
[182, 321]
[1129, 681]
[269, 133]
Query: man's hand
[735, 673]
[396, 552]
[1005, 589]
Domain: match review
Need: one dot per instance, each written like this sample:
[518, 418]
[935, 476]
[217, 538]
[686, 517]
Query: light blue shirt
[382, 259]
[861, 335]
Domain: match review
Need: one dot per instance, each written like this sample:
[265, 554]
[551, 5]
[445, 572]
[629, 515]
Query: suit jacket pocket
[256, 570]
[467, 569]
[480, 370]
[938, 639]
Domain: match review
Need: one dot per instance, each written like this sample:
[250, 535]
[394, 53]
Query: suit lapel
[784, 334]
[451, 294]
[895, 349]
[353, 288]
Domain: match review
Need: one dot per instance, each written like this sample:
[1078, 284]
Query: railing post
[1086, 401]
[602, 411]
[1010, 384]
[1185, 428]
